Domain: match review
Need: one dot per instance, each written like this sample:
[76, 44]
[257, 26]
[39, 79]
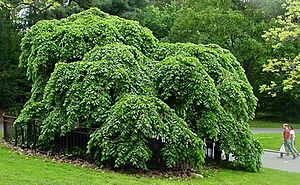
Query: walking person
[287, 140]
[293, 139]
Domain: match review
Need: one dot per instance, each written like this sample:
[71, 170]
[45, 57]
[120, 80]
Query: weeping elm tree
[100, 71]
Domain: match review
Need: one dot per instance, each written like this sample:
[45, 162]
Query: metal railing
[27, 136]
[8, 128]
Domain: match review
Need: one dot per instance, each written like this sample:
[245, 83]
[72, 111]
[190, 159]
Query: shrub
[147, 99]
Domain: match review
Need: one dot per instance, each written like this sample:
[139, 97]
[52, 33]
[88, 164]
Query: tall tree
[17, 16]
[271, 8]
[233, 25]
[159, 19]
[12, 80]
[285, 40]
[238, 25]
[119, 7]
[27, 12]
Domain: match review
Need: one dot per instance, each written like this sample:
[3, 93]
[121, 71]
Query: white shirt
[293, 136]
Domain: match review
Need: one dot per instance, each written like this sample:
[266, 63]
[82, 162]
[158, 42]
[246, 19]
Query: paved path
[270, 130]
[272, 160]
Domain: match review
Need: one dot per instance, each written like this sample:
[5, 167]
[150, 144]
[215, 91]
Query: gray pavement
[287, 163]
[270, 130]
[271, 159]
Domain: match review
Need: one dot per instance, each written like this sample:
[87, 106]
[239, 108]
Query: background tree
[233, 24]
[119, 7]
[159, 19]
[285, 44]
[230, 24]
[236, 26]
[12, 79]
[16, 17]
[270, 8]
[27, 13]
[283, 67]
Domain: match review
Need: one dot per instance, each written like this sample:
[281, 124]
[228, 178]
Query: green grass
[273, 141]
[269, 124]
[20, 169]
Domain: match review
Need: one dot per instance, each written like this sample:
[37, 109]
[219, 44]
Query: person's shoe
[281, 155]
[294, 157]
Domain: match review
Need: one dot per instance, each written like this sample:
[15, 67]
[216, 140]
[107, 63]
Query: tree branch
[11, 7]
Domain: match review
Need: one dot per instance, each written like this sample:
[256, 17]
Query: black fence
[27, 136]
[76, 141]
[212, 150]
[8, 128]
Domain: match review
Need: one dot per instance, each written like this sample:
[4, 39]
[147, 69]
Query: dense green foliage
[12, 80]
[15, 18]
[159, 19]
[286, 47]
[238, 26]
[214, 96]
[105, 75]
[148, 100]
[138, 124]
[233, 24]
[119, 7]
[26, 13]
[271, 8]
[281, 85]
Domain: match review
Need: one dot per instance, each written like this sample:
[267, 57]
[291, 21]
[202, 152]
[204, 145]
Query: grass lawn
[269, 124]
[273, 141]
[20, 169]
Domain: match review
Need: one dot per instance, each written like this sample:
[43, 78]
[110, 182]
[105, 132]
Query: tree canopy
[232, 24]
[237, 26]
[286, 47]
[12, 79]
[96, 70]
